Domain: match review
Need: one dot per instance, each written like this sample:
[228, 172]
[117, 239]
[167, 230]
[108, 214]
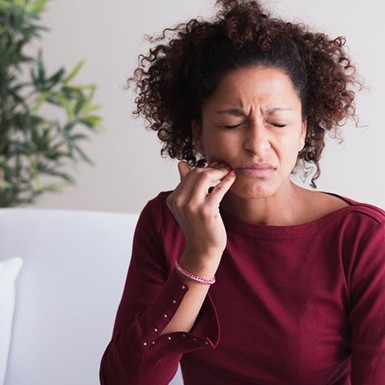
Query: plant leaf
[73, 73]
[36, 7]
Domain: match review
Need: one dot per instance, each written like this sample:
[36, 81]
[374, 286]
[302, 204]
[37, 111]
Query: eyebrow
[277, 109]
[239, 112]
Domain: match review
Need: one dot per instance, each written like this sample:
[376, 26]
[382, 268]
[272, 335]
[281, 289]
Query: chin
[253, 189]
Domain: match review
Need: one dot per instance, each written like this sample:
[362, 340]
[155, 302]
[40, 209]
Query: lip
[257, 170]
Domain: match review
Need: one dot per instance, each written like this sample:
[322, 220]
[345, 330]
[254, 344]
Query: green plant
[43, 119]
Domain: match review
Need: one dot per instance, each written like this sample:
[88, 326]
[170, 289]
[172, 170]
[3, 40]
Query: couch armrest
[75, 265]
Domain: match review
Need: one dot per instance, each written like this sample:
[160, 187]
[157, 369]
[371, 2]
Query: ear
[196, 128]
[303, 134]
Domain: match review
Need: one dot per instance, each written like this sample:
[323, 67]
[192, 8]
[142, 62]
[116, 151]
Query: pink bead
[193, 277]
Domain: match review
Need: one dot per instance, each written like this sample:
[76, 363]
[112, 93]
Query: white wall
[129, 170]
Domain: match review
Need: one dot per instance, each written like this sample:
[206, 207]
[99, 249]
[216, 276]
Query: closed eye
[277, 125]
[232, 126]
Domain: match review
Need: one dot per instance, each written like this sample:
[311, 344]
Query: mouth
[257, 170]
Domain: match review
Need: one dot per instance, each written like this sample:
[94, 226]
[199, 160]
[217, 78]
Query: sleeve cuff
[205, 333]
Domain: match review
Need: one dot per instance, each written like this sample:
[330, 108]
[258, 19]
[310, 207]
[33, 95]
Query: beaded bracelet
[193, 277]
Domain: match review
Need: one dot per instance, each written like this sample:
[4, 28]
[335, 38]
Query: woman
[239, 274]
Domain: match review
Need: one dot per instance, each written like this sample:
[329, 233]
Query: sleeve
[367, 313]
[137, 354]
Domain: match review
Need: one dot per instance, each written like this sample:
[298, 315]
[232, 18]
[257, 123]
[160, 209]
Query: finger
[196, 183]
[186, 181]
[205, 180]
[218, 192]
[189, 177]
[183, 169]
[183, 190]
[192, 191]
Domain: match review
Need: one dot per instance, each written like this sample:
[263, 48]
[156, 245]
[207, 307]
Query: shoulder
[156, 214]
[330, 206]
[361, 225]
[350, 220]
[157, 227]
[366, 211]
[157, 204]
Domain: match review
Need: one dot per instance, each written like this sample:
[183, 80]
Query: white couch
[67, 292]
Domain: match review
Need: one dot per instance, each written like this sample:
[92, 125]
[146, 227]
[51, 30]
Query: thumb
[183, 169]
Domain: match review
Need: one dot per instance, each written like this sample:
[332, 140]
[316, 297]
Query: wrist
[200, 265]
[193, 277]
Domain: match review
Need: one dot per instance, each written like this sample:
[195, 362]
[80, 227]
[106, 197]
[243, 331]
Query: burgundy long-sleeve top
[292, 305]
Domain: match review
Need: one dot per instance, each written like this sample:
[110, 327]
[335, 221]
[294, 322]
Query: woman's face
[253, 123]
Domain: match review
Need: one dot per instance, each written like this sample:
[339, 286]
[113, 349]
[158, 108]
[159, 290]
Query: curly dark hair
[184, 68]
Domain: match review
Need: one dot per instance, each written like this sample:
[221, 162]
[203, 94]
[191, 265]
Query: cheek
[294, 141]
[220, 148]
[293, 160]
[288, 151]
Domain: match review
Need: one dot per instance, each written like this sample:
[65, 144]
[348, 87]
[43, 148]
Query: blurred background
[128, 168]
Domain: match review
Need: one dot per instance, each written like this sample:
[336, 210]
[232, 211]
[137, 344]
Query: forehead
[255, 84]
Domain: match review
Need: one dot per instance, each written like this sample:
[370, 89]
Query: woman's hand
[197, 212]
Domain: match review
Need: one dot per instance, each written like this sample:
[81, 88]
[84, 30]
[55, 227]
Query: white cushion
[9, 269]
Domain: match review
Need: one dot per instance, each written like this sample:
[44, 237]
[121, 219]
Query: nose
[257, 137]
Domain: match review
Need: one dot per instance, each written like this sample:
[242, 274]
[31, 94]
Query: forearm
[189, 308]
[198, 216]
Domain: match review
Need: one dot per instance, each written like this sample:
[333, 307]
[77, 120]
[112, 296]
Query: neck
[284, 208]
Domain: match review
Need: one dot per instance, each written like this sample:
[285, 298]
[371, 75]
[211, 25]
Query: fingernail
[213, 164]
